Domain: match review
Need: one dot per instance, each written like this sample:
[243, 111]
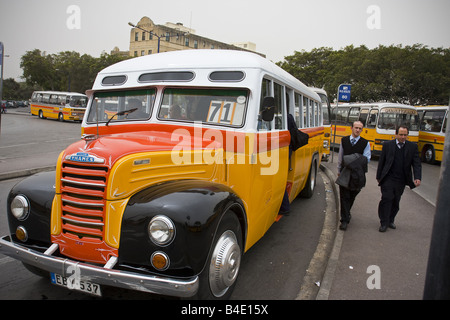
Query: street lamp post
[150, 32]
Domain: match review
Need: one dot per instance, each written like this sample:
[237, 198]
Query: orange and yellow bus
[379, 119]
[433, 124]
[183, 165]
[58, 105]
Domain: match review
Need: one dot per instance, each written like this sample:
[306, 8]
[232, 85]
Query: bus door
[366, 132]
[371, 128]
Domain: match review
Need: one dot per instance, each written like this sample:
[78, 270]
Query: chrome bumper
[97, 274]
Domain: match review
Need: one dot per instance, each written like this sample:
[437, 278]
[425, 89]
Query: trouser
[391, 193]
[347, 198]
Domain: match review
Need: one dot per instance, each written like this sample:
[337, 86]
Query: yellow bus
[326, 108]
[379, 120]
[433, 124]
[183, 165]
[58, 105]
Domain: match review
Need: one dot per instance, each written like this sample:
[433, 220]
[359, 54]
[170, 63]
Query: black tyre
[308, 190]
[219, 277]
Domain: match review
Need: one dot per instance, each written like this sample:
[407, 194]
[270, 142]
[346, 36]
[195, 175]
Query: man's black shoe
[343, 226]
[383, 229]
[392, 225]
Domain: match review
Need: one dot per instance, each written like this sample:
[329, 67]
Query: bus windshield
[77, 101]
[213, 106]
[121, 106]
[390, 118]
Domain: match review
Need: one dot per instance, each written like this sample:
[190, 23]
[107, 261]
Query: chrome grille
[83, 188]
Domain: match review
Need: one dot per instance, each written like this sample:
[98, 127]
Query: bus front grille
[83, 188]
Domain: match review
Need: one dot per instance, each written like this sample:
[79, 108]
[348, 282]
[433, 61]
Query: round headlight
[161, 230]
[20, 207]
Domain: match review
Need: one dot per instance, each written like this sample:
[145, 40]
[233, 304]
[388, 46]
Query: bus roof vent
[114, 80]
[228, 76]
[167, 76]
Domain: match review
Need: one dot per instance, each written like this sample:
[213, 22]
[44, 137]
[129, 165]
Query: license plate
[80, 285]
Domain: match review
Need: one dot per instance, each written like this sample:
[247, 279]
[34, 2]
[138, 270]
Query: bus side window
[353, 115]
[363, 116]
[444, 127]
[265, 92]
[305, 112]
[280, 111]
[372, 120]
[297, 110]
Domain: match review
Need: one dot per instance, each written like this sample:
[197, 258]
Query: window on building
[142, 52]
[136, 36]
[143, 36]
[186, 42]
[195, 44]
[167, 36]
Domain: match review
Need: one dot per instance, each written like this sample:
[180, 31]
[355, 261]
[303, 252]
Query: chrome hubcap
[225, 262]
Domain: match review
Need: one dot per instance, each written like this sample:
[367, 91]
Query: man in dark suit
[398, 164]
[355, 170]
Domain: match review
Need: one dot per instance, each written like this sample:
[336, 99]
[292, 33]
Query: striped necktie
[353, 141]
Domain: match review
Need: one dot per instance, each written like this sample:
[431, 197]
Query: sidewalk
[367, 264]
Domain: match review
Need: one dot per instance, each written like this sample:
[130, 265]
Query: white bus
[433, 124]
[184, 163]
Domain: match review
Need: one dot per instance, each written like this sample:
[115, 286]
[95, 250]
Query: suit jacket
[353, 176]
[412, 165]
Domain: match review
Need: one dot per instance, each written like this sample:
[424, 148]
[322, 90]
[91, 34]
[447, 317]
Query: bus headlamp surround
[20, 207]
[161, 230]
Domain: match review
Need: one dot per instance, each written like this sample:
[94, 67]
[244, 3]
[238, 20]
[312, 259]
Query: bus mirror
[268, 109]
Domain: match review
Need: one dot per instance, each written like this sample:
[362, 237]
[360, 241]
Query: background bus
[379, 120]
[326, 109]
[433, 123]
[58, 105]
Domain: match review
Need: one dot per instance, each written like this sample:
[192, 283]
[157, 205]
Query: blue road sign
[344, 92]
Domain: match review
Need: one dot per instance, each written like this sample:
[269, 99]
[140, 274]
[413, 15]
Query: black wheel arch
[195, 207]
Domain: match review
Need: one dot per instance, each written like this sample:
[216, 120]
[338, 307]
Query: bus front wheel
[428, 155]
[219, 277]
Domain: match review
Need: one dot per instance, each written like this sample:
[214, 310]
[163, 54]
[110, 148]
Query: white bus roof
[377, 104]
[432, 107]
[60, 92]
[195, 61]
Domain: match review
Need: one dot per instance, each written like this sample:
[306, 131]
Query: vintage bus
[58, 105]
[379, 120]
[326, 108]
[433, 123]
[183, 164]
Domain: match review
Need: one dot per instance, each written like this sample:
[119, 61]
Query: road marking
[19, 145]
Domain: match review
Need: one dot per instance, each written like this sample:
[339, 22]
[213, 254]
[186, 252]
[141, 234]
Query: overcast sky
[278, 28]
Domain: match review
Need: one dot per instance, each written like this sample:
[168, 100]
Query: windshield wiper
[121, 113]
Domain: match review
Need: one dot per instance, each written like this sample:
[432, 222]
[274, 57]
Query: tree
[412, 74]
[65, 71]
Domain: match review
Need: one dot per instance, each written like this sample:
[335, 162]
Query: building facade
[148, 38]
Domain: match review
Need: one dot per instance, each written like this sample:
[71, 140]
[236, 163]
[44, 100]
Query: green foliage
[412, 74]
[65, 71]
